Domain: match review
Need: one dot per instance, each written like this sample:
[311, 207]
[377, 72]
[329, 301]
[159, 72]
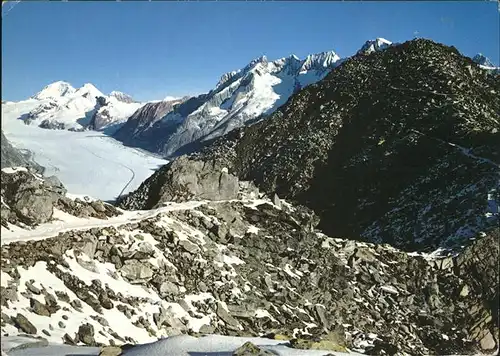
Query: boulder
[34, 207]
[169, 288]
[86, 334]
[24, 324]
[110, 351]
[136, 272]
[250, 349]
[181, 180]
[39, 308]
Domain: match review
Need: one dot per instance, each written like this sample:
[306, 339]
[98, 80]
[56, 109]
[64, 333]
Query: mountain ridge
[239, 97]
[64, 107]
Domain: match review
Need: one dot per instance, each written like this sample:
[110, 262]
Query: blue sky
[154, 49]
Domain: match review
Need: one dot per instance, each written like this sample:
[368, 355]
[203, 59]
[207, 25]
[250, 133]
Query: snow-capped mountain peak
[482, 60]
[239, 97]
[120, 96]
[61, 106]
[55, 90]
[375, 45]
[88, 91]
[226, 77]
[261, 59]
[319, 61]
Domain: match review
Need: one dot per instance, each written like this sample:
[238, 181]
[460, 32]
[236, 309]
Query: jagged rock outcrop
[184, 180]
[399, 146]
[30, 199]
[52, 125]
[13, 157]
[101, 116]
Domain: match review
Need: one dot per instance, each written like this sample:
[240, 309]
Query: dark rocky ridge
[399, 146]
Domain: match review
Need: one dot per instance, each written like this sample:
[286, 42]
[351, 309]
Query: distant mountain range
[61, 106]
[175, 126]
[239, 98]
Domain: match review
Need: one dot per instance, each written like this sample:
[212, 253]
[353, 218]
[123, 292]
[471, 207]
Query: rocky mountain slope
[400, 146]
[248, 267]
[63, 107]
[13, 157]
[144, 118]
[239, 98]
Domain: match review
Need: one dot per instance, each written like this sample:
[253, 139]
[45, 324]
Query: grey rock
[98, 206]
[24, 324]
[68, 340]
[207, 329]
[100, 320]
[52, 125]
[88, 246]
[189, 246]
[230, 322]
[76, 304]
[105, 301]
[182, 180]
[144, 250]
[34, 206]
[168, 287]
[33, 289]
[111, 351]
[276, 200]
[86, 334]
[136, 272]
[39, 308]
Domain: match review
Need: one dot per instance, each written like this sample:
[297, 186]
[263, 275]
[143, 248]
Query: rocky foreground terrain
[361, 217]
[249, 268]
